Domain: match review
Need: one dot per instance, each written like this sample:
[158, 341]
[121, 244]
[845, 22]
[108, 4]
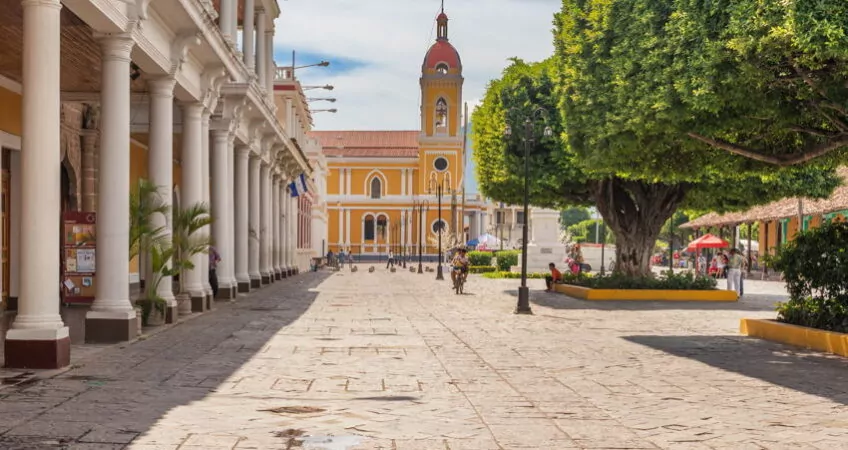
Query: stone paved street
[396, 361]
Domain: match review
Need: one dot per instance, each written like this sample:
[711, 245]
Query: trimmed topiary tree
[507, 259]
[480, 258]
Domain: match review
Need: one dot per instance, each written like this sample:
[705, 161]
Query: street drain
[390, 398]
[294, 410]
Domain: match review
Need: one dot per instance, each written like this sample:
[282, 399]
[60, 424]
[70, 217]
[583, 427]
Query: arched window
[442, 69]
[376, 188]
[369, 228]
[441, 115]
[381, 228]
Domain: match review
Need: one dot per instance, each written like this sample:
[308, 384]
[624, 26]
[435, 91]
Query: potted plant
[148, 238]
[188, 241]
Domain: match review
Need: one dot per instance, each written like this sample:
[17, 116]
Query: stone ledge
[656, 295]
[810, 338]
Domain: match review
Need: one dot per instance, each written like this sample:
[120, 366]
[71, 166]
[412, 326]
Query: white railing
[283, 74]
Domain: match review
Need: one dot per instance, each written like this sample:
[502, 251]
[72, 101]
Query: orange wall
[10, 112]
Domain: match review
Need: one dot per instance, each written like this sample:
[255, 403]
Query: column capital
[192, 109]
[115, 46]
[56, 4]
[242, 151]
[162, 86]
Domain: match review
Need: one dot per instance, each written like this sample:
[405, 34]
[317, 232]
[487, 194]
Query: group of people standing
[727, 265]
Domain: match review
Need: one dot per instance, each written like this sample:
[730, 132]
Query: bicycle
[459, 282]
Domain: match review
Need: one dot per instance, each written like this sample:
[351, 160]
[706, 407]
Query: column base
[226, 292]
[266, 279]
[198, 303]
[243, 287]
[284, 273]
[37, 349]
[110, 327]
[277, 274]
[255, 283]
[171, 314]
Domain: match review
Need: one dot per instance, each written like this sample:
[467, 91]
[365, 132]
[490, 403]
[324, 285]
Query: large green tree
[764, 79]
[636, 180]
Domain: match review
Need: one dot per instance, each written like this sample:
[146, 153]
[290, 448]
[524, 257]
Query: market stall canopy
[708, 241]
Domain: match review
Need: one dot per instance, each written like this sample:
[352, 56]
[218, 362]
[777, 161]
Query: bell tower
[441, 138]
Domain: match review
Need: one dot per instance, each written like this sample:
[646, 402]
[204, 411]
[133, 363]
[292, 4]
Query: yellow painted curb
[811, 338]
[646, 294]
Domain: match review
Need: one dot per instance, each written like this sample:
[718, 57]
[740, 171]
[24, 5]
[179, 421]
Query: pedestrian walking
[734, 271]
[214, 258]
[391, 261]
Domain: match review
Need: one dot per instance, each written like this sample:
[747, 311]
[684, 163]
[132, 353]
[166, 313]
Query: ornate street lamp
[423, 206]
[529, 139]
[437, 187]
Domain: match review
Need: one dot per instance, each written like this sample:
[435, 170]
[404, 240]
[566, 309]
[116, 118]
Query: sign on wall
[78, 257]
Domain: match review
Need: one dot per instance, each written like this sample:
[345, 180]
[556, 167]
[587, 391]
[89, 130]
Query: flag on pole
[298, 186]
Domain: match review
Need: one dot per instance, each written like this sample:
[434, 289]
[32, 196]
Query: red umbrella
[708, 241]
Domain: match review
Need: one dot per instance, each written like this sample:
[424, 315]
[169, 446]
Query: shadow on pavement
[117, 396]
[790, 367]
[758, 302]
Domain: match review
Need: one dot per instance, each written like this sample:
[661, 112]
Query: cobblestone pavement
[396, 361]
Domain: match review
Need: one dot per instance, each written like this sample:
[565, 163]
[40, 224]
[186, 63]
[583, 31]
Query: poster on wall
[78, 257]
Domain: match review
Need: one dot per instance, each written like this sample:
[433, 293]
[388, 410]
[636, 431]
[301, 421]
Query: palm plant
[187, 239]
[146, 237]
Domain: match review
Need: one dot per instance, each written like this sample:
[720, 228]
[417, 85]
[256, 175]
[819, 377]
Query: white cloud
[391, 38]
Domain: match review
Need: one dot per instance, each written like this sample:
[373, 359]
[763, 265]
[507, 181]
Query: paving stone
[400, 362]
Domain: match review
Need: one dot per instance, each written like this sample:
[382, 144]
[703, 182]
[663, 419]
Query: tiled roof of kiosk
[369, 144]
[781, 209]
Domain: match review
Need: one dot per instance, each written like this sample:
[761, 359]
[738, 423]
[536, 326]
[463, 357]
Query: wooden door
[7, 225]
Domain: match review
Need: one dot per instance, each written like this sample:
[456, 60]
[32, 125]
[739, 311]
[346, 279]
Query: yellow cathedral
[383, 186]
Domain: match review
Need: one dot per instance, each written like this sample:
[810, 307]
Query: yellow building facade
[383, 186]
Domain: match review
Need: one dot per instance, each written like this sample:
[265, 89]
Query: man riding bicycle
[459, 264]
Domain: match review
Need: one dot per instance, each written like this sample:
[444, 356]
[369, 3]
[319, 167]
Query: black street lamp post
[529, 139]
[437, 187]
[423, 206]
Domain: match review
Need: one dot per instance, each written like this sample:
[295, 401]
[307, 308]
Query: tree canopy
[765, 79]
[636, 178]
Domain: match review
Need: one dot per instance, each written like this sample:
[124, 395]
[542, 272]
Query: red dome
[442, 16]
[442, 51]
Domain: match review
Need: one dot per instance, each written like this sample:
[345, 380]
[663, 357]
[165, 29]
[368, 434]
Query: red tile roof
[442, 51]
[369, 144]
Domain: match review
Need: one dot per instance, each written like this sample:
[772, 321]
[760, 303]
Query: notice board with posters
[78, 257]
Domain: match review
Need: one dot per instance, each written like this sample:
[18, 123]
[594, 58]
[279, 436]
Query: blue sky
[376, 48]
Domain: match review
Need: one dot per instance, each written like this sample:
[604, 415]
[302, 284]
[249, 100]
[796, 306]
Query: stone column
[261, 52]
[242, 229]
[254, 224]
[191, 195]
[227, 17]
[38, 339]
[160, 167]
[278, 243]
[295, 216]
[284, 220]
[231, 211]
[112, 317]
[204, 180]
[221, 213]
[265, 235]
[89, 170]
[269, 62]
[249, 34]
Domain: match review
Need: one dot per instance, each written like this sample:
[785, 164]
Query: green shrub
[482, 269]
[815, 268]
[513, 275]
[507, 259]
[480, 258]
[666, 281]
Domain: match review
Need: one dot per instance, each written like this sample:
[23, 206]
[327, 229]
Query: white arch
[384, 182]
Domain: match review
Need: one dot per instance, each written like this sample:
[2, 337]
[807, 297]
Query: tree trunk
[636, 212]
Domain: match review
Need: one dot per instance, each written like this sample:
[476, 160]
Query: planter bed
[657, 295]
[810, 338]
